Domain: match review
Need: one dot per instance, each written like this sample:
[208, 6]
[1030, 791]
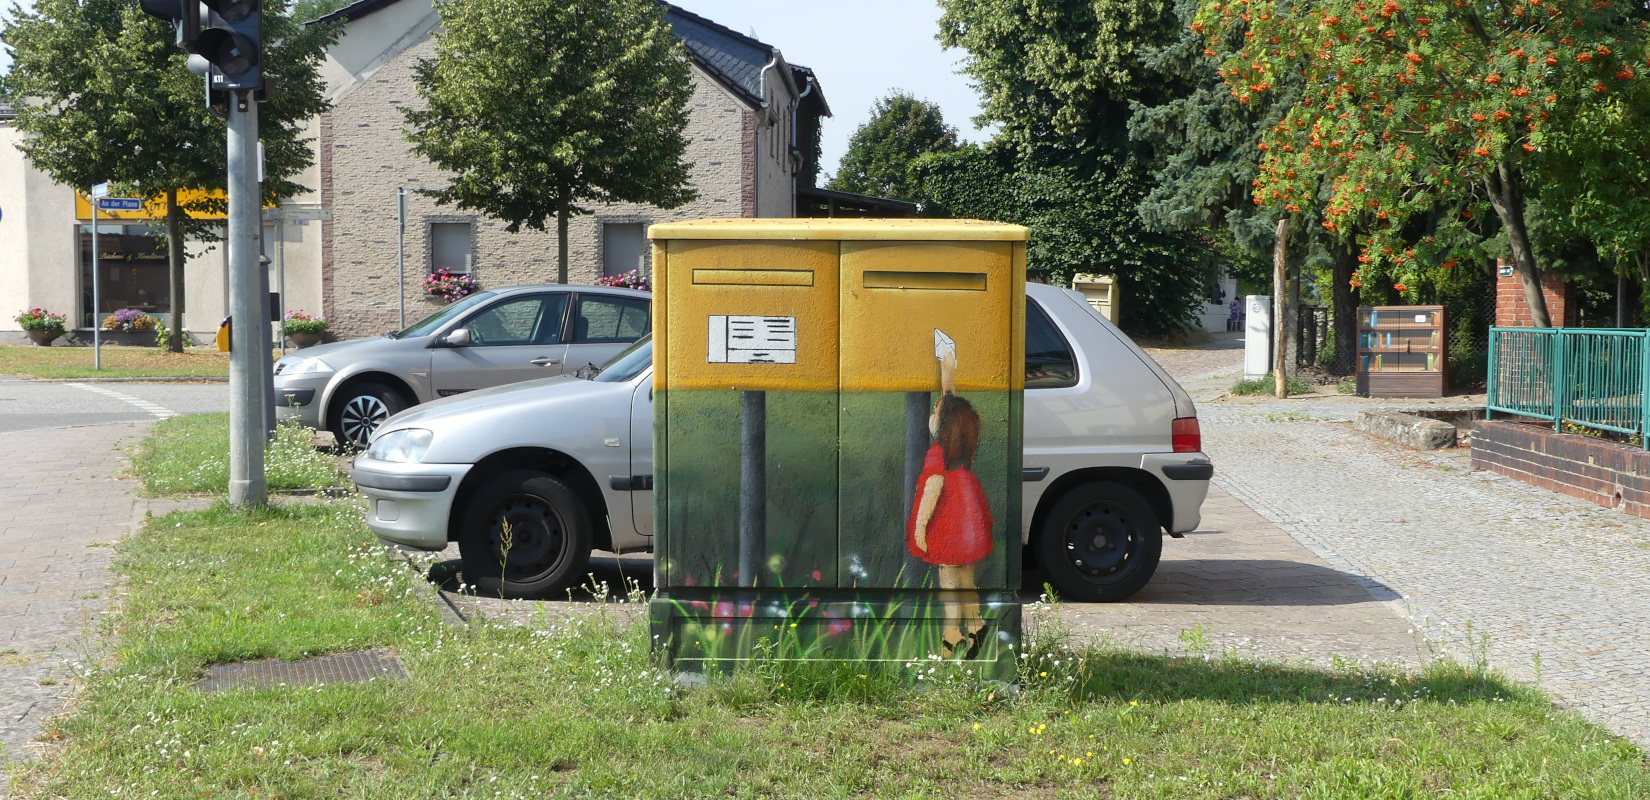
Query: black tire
[1099, 543]
[550, 529]
[359, 409]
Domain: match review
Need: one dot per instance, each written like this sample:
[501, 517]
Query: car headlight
[308, 366]
[406, 444]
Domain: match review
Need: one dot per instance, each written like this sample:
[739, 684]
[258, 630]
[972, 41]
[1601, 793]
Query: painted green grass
[189, 454]
[578, 709]
[118, 362]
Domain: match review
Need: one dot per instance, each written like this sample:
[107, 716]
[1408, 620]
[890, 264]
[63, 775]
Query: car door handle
[543, 361]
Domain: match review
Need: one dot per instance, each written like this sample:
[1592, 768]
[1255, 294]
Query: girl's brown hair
[959, 431]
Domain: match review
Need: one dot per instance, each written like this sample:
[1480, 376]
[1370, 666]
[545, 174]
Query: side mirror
[458, 338]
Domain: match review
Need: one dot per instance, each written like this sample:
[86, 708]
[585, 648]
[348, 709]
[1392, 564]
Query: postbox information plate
[837, 440]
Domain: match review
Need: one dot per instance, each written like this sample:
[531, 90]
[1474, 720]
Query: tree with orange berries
[1431, 112]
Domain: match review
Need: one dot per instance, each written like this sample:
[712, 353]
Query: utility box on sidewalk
[1257, 336]
[837, 422]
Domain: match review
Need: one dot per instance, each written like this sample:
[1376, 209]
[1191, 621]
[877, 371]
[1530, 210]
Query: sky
[860, 50]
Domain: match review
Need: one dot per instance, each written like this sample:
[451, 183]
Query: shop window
[624, 248]
[450, 246]
[132, 271]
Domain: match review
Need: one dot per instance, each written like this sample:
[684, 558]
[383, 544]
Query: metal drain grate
[357, 667]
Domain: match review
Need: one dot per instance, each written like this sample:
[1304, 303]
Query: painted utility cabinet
[837, 421]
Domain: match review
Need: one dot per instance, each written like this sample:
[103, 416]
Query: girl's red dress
[959, 533]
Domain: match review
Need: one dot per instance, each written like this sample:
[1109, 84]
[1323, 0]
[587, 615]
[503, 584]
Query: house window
[450, 246]
[132, 271]
[624, 248]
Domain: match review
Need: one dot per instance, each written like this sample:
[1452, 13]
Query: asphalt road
[37, 405]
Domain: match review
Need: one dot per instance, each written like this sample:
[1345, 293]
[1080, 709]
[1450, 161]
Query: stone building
[749, 117]
[752, 118]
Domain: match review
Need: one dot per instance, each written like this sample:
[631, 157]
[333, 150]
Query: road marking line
[158, 412]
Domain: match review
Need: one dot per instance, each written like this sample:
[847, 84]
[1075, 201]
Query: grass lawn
[189, 454]
[118, 362]
[574, 708]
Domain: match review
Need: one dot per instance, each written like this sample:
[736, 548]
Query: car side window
[1049, 360]
[610, 320]
[534, 319]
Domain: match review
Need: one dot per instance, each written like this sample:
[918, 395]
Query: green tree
[881, 151]
[1063, 72]
[1081, 222]
[104, 95]
[1061, 79]
[537, 106]
[1426, 113]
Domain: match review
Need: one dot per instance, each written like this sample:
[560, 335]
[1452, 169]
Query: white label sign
[752, 339]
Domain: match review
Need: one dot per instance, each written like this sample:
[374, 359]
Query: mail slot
[837, 415]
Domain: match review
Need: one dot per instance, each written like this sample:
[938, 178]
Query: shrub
[450, 286]
[1268, 385]
[299, 322]
[633, 279]
[128, 319]
[39, 319]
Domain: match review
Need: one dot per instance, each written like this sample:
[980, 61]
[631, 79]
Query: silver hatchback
[487, 339]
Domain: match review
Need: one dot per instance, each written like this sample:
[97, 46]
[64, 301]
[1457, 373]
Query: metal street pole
[400, 253]
[247, 486]
[280, 275]
[97, 297]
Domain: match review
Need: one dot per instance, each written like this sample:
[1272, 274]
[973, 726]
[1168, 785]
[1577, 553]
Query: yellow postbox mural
[837, 413]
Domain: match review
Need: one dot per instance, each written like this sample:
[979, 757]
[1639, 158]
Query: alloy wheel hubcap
[362, 415]
[1100, 541]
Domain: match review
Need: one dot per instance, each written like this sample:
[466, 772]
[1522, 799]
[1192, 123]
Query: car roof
[571, 287]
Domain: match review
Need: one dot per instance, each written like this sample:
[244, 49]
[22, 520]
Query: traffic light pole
[247, 486]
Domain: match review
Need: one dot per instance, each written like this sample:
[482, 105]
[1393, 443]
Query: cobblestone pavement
[1216, 356]
[62, 506]
[1544, 587]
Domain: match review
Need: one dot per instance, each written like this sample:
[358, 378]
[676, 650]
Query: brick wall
[1608, 473]
[368, 158]
[1512, 308]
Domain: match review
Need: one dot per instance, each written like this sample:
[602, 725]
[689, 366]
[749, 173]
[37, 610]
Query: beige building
[751, 118]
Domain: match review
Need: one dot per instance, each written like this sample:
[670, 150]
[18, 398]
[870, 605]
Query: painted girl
[950, 523]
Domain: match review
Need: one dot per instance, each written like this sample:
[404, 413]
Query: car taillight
[1185, 436]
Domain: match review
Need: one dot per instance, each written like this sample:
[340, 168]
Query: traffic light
[231, 40]
[185, 16]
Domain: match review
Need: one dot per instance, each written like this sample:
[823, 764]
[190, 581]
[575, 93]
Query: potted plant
[129, 319]
[42, 326]
[633, 279]
[303, 329]
[448, 286]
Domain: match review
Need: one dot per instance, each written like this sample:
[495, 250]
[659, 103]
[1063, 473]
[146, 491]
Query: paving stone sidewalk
[1545, 587]
[62, 506]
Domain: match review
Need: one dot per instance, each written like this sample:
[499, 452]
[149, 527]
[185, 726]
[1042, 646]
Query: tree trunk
[174, 257]
[1506, 190]
[1345, 311]
[561, 237]
[1292, 325]
[1621, 298]
[1280, 309]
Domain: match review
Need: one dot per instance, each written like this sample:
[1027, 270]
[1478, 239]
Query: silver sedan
[538, 474]
[487, 339]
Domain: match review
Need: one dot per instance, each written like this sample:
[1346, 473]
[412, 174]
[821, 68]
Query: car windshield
[629, 363]
[431, 323]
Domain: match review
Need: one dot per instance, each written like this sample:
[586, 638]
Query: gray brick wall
[364, 158]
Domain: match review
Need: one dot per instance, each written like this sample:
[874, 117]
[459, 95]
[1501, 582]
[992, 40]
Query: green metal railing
[1591, 377]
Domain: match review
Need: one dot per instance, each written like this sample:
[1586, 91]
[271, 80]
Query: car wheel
[524, 534]
[1100, 543]
[360, 409]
